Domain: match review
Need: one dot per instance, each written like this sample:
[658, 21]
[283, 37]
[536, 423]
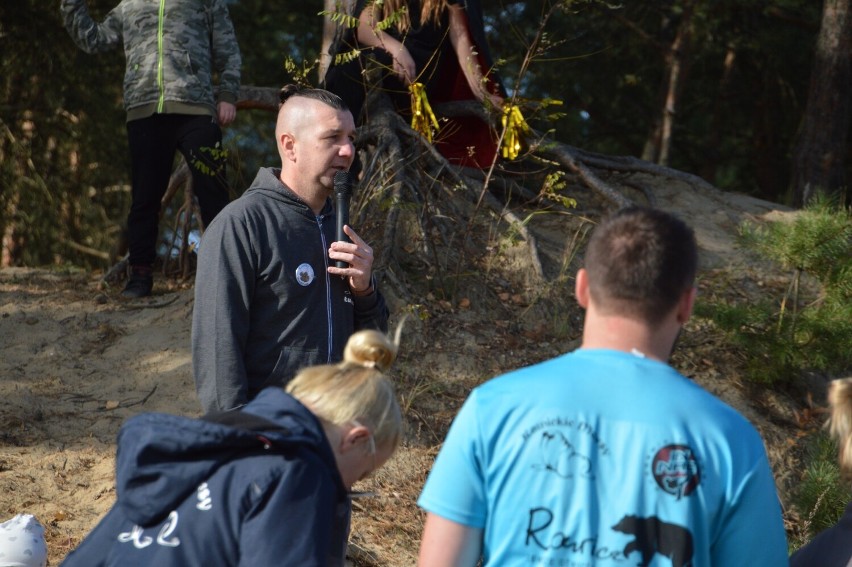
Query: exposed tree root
[580, 161]
[429, 207]
[447, 200]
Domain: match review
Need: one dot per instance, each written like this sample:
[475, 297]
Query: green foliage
[554, 183]
[218, 156]
[300, 73]
[341, 18]
[791, 333]
[818, 241]
[346, 20]
[823, 493]
[347, 56]
[391, 20]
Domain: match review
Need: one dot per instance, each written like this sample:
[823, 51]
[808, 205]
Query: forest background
[740, 92]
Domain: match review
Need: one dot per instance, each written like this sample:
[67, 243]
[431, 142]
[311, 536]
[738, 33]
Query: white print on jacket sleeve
[205, 503]
[167, 530]
[140, 541]
[135, 536]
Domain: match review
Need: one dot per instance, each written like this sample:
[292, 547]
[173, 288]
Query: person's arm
[90, 36]
[224, 285]
[293, 521]
[448, 544]
[465, 52]
[369, 35]
[752, 530]
[225, 112]
[227, 61]
[455, 496]
[371, 312]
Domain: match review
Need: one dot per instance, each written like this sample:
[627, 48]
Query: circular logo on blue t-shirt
[305, 274]
[676, 470]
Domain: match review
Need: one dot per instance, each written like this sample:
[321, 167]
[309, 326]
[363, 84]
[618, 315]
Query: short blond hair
[840, 422]
[355, 390]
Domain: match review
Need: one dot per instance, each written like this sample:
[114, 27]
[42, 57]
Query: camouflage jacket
[172, 49]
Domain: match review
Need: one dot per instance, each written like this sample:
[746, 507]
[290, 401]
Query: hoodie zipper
[161, 87]
[327, 290]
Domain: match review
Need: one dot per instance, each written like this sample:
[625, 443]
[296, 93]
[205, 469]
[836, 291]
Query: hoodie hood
[268, 182]
[163, 458]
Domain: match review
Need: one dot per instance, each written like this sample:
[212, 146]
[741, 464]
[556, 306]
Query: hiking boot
[140, 283]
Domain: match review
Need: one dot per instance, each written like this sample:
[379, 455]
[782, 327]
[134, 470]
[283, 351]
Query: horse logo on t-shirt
[560, 457]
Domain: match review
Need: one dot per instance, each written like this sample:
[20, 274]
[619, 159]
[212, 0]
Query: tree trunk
[10, 244]
[711, 161]
[820, 148]
[658, 145]
[769, 157]
[676, 68]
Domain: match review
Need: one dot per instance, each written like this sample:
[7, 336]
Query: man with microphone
[276, 288]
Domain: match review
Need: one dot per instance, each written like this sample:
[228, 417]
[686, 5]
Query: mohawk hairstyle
[289, 91]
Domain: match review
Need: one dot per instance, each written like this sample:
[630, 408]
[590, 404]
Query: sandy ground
[76, 361]
[74, 364]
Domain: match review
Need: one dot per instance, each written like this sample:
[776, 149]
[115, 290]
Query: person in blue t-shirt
[607, 455]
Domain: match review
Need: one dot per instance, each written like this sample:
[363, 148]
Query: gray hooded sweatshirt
[265, 306]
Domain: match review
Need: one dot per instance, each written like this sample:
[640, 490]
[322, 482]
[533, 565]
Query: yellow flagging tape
[515, 127]
[422, 117]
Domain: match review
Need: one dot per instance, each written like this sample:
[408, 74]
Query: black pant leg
[152, 150]
[199, 139]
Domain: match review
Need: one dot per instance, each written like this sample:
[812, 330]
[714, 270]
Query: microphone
[343, 181]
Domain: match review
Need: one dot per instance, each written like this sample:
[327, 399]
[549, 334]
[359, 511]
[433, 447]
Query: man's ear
[685, 305]
[581, 288]
[288, 146]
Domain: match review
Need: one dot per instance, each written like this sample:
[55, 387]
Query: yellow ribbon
[422, 117]
[515, 126]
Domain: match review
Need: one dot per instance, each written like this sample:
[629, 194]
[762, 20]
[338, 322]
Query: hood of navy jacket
[268, 182]
[162, 458]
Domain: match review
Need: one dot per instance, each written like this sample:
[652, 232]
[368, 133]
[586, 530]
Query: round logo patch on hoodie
[305, 274]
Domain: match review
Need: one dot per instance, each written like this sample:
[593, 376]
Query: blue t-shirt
[601, 457]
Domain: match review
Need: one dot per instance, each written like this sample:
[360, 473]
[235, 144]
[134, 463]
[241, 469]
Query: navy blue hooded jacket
[194, 492]
[830, 548]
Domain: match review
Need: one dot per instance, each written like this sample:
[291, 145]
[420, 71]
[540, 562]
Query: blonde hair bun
[370, 349]
[356, 389]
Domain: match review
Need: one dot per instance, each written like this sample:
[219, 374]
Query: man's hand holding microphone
[353, 257]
